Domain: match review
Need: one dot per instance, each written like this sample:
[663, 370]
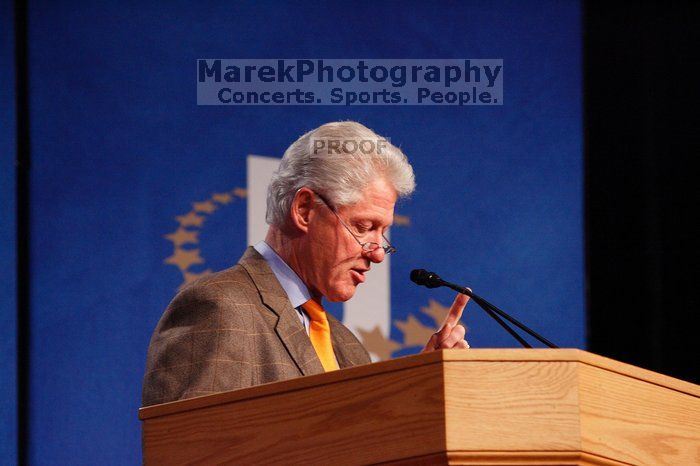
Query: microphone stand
[497, 313]
[495, 317]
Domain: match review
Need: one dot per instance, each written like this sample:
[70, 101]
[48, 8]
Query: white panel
[371, 305]
[260, 170]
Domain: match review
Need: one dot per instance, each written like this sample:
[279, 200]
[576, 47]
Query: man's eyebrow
[375, 221]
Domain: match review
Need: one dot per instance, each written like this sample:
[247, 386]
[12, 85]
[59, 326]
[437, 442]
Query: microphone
[432, 280]
[424, 278]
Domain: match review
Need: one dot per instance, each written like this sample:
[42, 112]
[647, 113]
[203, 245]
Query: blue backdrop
[8, 302]
[120, 149]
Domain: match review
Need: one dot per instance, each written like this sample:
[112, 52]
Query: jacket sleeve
[200, 346]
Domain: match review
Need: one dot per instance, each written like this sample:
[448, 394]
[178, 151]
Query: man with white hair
[328, 207]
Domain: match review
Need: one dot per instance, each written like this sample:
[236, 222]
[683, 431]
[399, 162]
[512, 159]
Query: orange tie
[320, 334]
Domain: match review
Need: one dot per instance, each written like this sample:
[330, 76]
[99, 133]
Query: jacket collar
[288, 327]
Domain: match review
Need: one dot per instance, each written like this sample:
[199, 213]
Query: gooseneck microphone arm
[432, 280]
[488, 306]
[495, 317]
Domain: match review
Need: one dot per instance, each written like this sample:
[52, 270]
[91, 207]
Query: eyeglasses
[369, 246]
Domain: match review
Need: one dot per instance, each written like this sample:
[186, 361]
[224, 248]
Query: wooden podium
[505, 406]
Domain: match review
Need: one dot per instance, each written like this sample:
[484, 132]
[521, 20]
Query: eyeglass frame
[388, 249]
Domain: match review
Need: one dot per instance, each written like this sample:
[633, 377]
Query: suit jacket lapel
[289, 327]
[348, 350]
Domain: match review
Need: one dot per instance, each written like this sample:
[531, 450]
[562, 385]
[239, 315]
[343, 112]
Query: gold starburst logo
[415, 333]
[187, 233]
[185, 255]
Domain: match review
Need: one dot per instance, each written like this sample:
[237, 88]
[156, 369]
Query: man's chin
[340, 296]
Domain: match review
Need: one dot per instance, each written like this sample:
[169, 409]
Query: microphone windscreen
[418, 276]
[424, 278]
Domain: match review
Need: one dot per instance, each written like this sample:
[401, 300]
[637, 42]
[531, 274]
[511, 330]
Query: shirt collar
[296, 291]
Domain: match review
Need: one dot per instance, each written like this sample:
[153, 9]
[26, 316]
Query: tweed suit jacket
[235, 329]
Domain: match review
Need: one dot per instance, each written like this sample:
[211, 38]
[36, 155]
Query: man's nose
[377, 255]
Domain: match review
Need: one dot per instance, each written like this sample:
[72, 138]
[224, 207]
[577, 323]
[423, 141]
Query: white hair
[337, 160]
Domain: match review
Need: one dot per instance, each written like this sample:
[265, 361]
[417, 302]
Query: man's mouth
[359, 274]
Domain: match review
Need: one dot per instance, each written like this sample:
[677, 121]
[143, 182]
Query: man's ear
[301, 208]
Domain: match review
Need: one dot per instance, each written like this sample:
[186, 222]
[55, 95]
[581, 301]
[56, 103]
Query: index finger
[456, 310]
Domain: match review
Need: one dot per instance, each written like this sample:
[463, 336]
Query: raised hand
[451, 334]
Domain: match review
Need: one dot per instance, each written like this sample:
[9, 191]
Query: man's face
[336, 262]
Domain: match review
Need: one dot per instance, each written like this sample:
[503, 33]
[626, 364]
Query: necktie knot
[315, 311]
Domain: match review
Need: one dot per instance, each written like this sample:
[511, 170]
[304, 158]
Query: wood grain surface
[635, 421]
[489, 407]
[506, 405]
[509, 458]
[364, 420]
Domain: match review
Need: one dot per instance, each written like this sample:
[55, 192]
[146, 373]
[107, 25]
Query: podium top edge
[573, 355]
[438, 358]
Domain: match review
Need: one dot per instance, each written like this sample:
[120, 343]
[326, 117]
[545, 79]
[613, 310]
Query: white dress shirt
[296, 291]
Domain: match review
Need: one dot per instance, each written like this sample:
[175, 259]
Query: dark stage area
[641, 137]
